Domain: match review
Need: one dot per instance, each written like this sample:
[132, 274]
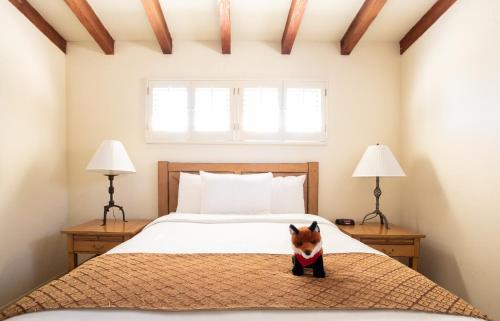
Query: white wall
[451, 130]
[106, 99]
[449, 148]
[33, 186]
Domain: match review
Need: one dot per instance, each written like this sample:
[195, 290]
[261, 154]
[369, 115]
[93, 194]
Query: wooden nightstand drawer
[386, 241]
[105, 238]
[394, 250]
[96, 246]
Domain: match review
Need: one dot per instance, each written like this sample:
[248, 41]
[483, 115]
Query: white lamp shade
[378, 160]
[111, 158]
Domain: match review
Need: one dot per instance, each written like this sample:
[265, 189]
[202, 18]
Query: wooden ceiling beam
[365, 16]
[297, 9]
[431, 16]
[225, 26]
[94, 26]
[38, 21]
[157, 20]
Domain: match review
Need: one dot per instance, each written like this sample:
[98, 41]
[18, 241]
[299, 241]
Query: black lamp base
[111, 202]
[374, 214]
[377, 192]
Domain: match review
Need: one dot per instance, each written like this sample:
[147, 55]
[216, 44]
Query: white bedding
[264, 233]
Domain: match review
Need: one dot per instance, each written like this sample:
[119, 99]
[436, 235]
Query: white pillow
[189, 195]
[236, 194]
[288, 195]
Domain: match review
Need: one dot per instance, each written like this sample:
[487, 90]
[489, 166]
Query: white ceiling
[324, 20]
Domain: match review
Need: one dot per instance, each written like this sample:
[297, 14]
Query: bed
[180, 235]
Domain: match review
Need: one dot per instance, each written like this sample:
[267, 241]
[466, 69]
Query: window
[211, 110]
[170, 109]
[304, 114]
[236, 111]
[260, 111]
[212, 117]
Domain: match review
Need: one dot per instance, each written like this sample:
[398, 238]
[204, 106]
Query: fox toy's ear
[293, 230]
[314, 227]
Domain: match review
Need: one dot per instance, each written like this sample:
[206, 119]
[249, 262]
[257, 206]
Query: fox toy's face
[306, 240]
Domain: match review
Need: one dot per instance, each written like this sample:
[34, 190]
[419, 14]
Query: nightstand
[93, 238]
[395, 242]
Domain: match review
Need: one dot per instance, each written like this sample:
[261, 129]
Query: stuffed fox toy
[308, 251]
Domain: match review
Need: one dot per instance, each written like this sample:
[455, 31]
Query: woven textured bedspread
[186, 282]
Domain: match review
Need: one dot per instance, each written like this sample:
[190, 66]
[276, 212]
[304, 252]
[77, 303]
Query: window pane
[211, 109]
[170, 109]
[261, 110]
[303, 112]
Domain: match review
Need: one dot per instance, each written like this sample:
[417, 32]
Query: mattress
[212, 233]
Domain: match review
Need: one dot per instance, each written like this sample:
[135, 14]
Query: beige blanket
[183, 282]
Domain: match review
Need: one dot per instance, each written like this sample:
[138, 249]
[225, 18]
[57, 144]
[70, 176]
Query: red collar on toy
[306, 262]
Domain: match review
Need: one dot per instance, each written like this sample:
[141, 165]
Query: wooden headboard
[168, 179]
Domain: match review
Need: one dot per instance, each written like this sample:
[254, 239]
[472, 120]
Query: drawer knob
[98, 246]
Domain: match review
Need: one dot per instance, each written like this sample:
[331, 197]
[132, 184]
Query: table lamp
[377, 161]
[111, 159]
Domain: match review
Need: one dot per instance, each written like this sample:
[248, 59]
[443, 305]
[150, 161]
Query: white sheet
[199, 233]
[212, 233]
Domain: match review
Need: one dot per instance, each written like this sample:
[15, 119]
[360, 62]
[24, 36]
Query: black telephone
[344, 221]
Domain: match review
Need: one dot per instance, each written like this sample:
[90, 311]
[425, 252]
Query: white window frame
[159, 136]
[198, 136]
[252, 136]
[237, 136]
[305, 136]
